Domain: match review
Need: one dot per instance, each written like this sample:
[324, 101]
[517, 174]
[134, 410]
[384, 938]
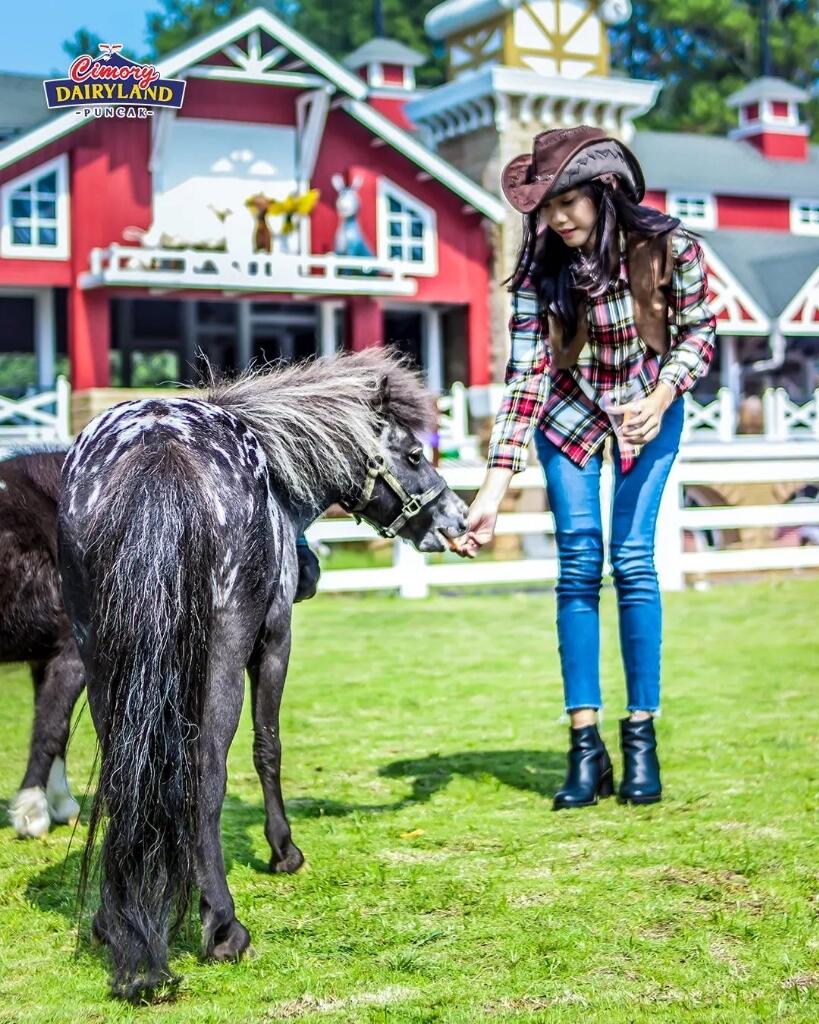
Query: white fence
[412, 575]
[36, 419]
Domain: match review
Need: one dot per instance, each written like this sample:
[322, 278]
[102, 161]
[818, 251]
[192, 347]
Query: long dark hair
[560, 275]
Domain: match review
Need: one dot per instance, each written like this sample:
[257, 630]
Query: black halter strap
[411, 504]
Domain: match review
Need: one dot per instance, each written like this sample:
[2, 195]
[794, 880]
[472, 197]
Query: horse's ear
[382, 399]
[338, 183]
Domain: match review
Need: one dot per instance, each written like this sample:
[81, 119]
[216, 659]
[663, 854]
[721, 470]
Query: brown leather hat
[564, 158]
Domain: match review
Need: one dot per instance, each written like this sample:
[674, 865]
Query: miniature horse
[177, 539]
[34, 628]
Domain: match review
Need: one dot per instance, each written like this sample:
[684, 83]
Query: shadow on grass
[54, 888]
[537, 771]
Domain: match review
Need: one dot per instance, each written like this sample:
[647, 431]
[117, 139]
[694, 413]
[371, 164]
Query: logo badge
[115, 81]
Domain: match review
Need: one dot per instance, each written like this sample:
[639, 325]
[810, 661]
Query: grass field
[422, 746]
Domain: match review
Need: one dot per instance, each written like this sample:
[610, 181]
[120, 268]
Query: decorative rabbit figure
[349, 241]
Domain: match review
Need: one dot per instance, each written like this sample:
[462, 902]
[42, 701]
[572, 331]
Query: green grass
[422, 746]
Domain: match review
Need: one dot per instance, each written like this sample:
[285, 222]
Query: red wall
[236, 101]
[463, 250]
[746, 212]
[780, 147]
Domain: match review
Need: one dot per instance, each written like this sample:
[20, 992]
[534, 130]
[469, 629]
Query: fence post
[669, 535]
[411, 565]
[727, 415]
[63, 410]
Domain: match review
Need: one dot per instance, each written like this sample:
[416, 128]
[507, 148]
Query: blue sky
[33, 30]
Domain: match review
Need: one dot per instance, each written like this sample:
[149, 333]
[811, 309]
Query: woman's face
[572, 215]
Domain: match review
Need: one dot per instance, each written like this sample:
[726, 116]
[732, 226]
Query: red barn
[122, 238]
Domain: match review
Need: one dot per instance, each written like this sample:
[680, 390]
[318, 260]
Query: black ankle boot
[590, 774]
[641, 769]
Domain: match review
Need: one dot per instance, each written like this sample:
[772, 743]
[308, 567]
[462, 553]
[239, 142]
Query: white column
[433, 350]
[730, 371]
[45, 338]
[328, 342]
[244, 336]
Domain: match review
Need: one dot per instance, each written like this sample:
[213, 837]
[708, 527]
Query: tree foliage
[703, 50]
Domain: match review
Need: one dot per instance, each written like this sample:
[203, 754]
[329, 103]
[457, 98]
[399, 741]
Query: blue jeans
[575, 503]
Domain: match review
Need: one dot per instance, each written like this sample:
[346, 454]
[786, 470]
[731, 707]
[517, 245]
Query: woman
[605, 292]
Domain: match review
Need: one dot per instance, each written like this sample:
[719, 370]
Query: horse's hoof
[231, 945]
[29, 813]
[289, 864]
[65, 811]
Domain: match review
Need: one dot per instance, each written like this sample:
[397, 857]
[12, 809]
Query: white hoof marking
[62, 805]
[29, 813]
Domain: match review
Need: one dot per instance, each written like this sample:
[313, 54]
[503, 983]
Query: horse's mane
[319, 420]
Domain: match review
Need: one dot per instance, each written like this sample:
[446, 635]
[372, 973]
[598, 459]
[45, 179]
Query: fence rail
[42, 418]
[412, 574]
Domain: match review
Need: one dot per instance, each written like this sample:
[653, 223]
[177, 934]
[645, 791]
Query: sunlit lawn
[422, 746]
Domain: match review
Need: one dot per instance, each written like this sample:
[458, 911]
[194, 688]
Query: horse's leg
[268, 669]
[44, 794]
[224, 937]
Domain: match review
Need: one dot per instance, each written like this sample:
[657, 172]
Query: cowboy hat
[564, 158]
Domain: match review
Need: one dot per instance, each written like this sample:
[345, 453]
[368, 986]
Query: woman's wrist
[666, 393]
[495, 484]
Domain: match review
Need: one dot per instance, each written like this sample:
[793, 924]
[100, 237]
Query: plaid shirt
[563, 403]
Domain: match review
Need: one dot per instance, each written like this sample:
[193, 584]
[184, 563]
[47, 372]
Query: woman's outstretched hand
[483, 512]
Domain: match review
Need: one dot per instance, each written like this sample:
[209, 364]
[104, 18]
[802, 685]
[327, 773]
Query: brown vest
[650, 261]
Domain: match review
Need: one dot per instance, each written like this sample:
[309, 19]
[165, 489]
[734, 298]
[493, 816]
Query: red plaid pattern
[563, 403]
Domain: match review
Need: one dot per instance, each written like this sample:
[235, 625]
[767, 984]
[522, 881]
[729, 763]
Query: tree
[82, 42]
[704, 50]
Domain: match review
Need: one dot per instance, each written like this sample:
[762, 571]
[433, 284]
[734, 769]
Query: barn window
[805, 216]
[406, 229]
[695, 209]
[35, 213]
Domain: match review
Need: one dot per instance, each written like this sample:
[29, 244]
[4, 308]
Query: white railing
[412, 575]
[187, 268]
[712, 421]
[786, 420]
[37, 419]
[717, 421]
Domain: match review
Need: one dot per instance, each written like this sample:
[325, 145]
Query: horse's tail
[150, 560]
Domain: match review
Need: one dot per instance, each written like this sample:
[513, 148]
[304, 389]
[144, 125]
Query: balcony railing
[134, 267]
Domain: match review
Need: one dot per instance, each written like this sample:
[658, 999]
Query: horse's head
[403, 494]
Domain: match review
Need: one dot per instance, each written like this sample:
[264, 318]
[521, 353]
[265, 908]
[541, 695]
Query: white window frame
[429, 266]
[708, 220]
[805, 227]
[21, 251]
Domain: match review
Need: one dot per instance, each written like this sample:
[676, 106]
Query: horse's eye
[415, 456]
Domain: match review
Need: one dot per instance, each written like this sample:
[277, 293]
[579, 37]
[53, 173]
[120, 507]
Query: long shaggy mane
[319, 420]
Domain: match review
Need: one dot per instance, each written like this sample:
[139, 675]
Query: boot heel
[606, 786]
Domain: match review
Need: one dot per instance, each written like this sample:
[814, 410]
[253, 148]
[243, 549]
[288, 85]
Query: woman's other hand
[645, 416]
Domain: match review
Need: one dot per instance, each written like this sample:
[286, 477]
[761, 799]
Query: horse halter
[411, 504]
